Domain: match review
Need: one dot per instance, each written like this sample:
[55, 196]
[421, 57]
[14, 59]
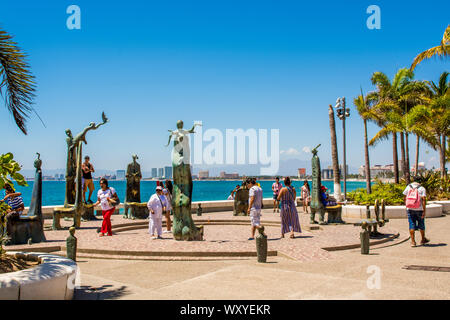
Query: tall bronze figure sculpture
[316, 203]
[73, 144]
[183, 225]
[77, 208]
[133, 192]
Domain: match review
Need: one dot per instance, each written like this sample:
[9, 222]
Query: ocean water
[53, 191]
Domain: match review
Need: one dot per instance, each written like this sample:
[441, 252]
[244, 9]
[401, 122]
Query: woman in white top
[107, 198]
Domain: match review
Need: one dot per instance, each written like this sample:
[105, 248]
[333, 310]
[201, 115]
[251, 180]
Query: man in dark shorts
[87, 168]
[416, 206]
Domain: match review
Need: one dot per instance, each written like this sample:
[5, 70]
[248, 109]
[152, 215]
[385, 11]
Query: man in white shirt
[254, 205]
[156, 205]
[416, 204]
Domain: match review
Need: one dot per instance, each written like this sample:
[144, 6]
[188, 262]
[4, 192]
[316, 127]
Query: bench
[137, 210]
[26, 229]
[334, 214]
[63, 212]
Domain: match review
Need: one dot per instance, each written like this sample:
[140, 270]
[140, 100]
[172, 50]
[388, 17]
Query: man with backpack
[416, 201]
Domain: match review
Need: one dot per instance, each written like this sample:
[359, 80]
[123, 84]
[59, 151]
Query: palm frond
[440, 51]
[16, 79]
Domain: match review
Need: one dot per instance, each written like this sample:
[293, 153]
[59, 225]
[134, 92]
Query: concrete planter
[53, 279]
[445, 205]
[392, 212]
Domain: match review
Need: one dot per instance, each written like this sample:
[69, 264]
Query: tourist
[231, 196]
[156, 207]
[15, 201]
[233, 193]
[87, 168]
[107, 198]
[416, 202]
[289, 215]
[168, 204]
[305, 195]
[276, 187]
[254, 205]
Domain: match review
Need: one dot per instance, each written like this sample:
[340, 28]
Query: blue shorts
[416, 222]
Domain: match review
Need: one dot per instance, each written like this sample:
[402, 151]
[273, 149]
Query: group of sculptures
[30, 228]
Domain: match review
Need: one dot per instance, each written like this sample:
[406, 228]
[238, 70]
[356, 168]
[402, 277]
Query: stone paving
[223, 238]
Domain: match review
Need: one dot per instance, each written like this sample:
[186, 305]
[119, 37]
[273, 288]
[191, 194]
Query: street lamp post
[343, 113]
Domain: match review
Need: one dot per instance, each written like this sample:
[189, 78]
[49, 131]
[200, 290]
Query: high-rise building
[120, 174]
[160, 172]
[168, 172]
[154, 172]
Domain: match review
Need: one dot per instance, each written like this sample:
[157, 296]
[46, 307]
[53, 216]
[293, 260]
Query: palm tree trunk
[442, 156]
[402, 154]
[416, 164]
[395, 156]
[407, 165]
[334, 156]
[366, 151]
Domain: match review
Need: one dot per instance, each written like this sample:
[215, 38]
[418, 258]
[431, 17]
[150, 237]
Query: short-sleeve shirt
[276, 187]
[256, 192]
[103, 195]
[14, 202]
[422, 193]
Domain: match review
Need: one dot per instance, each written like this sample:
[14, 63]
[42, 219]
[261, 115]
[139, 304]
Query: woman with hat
[156, 205]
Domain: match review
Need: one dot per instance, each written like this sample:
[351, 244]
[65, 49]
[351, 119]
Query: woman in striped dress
[289, 215]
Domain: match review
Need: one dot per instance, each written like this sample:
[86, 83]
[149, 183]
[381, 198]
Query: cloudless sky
[231, 64]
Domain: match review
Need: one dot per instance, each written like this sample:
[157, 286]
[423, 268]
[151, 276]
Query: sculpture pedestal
[135, 210]
[88, 213]
[24, 229]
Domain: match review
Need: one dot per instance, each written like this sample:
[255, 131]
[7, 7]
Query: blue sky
[231, 64]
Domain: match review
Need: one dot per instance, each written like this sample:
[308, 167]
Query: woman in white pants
[156, 206]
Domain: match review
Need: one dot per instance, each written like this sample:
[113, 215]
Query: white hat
[159, 188]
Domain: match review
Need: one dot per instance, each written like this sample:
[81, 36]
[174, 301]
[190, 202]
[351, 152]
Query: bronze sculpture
[78, 208]
[183, 225]
[316, 203]
[132, 205]
[72, 162]
[30, 228]
[241, 201]
[261, 245]
[71, 245]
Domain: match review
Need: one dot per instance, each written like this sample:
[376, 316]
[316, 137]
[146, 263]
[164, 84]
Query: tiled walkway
[217, 238]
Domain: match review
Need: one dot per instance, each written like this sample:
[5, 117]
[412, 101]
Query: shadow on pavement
[104, 292]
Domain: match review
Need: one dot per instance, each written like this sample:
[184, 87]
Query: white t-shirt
[256, 192]
[103, 196]
[422, 193]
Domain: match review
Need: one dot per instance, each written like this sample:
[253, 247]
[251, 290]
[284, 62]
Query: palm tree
[363, 106]
[440, 115]
[387, 97]
[442, 50]
[16, 79]
[334, 156]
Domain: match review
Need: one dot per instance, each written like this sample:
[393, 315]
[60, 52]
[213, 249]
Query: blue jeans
[416, 222]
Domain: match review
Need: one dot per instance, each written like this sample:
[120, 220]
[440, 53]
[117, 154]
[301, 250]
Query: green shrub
[390, 192]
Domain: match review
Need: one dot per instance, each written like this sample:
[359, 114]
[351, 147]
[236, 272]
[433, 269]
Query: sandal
[292, 236]
[413, 245]
[424, 241]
